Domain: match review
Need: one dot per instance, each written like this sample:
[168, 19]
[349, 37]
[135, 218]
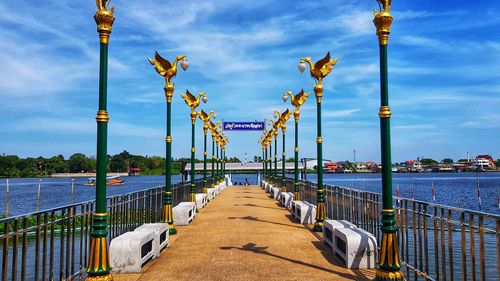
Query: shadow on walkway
[252, 247]
[251, 218]
[253, 205]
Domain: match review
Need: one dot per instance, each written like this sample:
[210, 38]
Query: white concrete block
[356, 247]
[184, 213]
[304, 212]
[201, 200]
[161, 235]
[218, 189]
[329, 227]
[210, 193]
[275, 192]
[286, 199]
[131, 250]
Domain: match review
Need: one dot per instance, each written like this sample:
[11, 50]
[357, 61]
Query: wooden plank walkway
[243, 234]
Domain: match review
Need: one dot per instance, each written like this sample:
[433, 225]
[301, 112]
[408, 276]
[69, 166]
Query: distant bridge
[251, 166]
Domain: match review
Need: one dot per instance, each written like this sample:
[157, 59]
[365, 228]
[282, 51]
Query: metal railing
[54, 244]
[437, 242]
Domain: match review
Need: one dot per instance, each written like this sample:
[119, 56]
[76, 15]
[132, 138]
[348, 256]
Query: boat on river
[109, 181]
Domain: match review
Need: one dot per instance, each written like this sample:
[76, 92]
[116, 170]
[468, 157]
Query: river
[56, 192]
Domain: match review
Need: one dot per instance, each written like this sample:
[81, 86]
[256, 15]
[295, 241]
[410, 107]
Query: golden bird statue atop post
[193, 101]
[299, 99]
[321, 68]
[165, 68]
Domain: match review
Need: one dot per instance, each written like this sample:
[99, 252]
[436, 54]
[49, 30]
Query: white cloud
[339, 113]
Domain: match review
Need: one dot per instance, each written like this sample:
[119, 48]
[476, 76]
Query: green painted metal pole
[389, 262]
[213, 163]
[192, 191]
[167, 199]
[204, 162]
[217, 158]
[283, 162]
[320, 194]
[275, 180]
[296, 191]
[263, 163]
[271, 174]
[98, 267]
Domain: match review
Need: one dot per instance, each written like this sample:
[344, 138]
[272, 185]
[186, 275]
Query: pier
[246, 235]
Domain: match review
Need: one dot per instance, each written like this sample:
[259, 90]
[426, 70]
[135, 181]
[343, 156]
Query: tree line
[13, 166]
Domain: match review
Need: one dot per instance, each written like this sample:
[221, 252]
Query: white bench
[275, 192]
[184, 213]
[201, 200]
[304, 212]
[286, 200]
[329, 227]
[217, 189]
[161, 235]
[211, 193]
[131, 250]
[356, 247]
[268, 187]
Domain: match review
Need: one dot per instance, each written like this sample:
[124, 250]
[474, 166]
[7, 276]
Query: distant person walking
[246, 181]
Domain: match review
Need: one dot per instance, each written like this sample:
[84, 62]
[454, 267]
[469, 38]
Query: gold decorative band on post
[193, 149]
[168, 139]
[100, 214]
[102, 116]
[283, 154]
[319, 140]
[296, 149]
[167, 192]
[387, 210]
[205, 153]
[385, 112]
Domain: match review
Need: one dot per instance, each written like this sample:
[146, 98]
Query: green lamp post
[297, 101]
[389, 263]
[205, 118]
[168, 71]
[319, 71]
[98, 267]
[283, 119]
[193, 102]
[213, 133]
[270, 157]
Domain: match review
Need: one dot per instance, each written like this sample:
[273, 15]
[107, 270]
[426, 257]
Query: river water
[56, 192]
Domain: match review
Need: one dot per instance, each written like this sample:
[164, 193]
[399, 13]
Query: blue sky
[444, 59]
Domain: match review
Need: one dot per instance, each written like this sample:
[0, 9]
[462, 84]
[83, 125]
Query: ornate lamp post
[297, 101]
[389, 263]
[205, 118]
[319, 71]
[283, 119]
[270, 158]
[263, 142]
[98, 264]
[168, 71]
[225, 141]
[213, 132]
[193, 103]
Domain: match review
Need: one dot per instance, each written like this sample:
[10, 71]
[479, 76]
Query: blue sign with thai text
[243, 126]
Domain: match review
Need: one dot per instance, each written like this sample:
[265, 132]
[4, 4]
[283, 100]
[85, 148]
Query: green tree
[78, 163]
[447, 161]
[428, 161]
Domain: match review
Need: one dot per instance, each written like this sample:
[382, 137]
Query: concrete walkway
[243, 234]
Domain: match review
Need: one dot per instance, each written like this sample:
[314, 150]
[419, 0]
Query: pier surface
[244, 235]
